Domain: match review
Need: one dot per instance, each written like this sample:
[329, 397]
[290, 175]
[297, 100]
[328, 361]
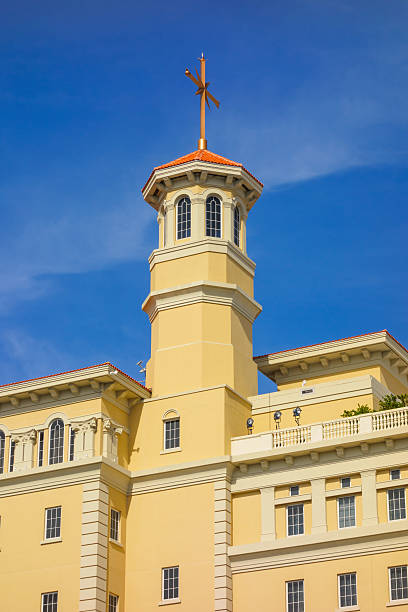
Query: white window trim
[63, 441]
[49, 540]
[388, 508]
[395, 470]
[341, 482]
[287, 522]
[214, 195]
[164, 602]
[118, 541]
[38, 448]
[175, 449]
[47, 593]
[287, 592]
[395, 602]
[338, 512]
[354, 606]
[176, 208]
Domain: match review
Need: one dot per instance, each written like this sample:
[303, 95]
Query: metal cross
[205, 94]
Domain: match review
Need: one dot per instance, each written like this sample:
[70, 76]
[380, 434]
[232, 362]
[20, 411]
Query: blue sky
[92, 96]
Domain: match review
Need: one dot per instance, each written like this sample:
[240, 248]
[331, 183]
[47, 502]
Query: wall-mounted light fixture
[277, 417]
[296, 414]
[250, 425]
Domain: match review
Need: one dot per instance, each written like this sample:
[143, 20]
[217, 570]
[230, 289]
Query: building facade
[192, 490]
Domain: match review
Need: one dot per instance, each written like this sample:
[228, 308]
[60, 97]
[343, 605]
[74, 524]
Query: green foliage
[361, 409]
[391, 401]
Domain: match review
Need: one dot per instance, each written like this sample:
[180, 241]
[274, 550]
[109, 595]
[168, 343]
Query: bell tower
[201, 304]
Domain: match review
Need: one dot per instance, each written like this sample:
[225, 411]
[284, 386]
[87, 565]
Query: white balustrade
[316, 432]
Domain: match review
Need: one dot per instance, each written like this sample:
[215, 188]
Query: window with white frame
[396, 505]
[395, 474]
[171, 433]
[11, 455]
[56, 443]
[115, 525]
[398, 582]
[49, 602]
[170, 583]
[346, 511]
[295, 596]
[41, 448]
[52, 523]
[347, 590]
[345, 482]
[184, 218]
[295, 519]
[237, 225]
[294, 490]
[113, 603]
[2, 449]
[213, 217]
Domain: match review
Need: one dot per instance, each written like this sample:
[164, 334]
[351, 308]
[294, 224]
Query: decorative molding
[206, 245]
[111, 431]
[222, 540]
[226, 294]
[84, 440]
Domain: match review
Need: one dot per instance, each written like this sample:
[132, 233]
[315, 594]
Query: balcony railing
[318, 432]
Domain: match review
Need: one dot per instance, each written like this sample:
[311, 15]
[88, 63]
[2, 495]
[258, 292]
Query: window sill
[347, 609]
[116, 542]
[178, 449]
[51, 541]
[397, 602]
[168, 602]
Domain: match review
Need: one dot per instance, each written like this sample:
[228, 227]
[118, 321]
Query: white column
[197, 218]
[228, 206]
[110, 440]
[369, 497]
[24, 450]
[170, 225]
[84, 441]
[319, 522]
[268, 514]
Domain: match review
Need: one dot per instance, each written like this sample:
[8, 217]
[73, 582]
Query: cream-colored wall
[384, 475]
[117, 552]
[246, 518]
[335, 483]
[314, 380]
[34, 417]
[28, 568]
[266, 589]
[304, 489]
[173, 527]
[313, 413]
[392, 383]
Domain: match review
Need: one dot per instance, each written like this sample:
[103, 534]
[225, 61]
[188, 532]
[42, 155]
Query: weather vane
[205, 94]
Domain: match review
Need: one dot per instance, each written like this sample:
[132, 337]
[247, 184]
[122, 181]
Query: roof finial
[205, 94]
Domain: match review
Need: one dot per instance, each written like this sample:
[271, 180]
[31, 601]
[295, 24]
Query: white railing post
[316, 432]
[365, 424]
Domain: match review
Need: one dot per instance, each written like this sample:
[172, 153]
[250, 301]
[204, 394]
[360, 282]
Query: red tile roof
[201, 155]
[330, 341]
[78, 370]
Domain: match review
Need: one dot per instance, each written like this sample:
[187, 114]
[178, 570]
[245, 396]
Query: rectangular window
[49, 602]
[295, 520]
[345, 482]
[12, 453]
[113, 603]
[347, 511]
[398, 583]
[172, 433]
[395, 474]
[347, 590]
[40, 448]
[295, 597]
[170, 583]
[53, 523]
[71, 444]
[294, 490]
[396, 504]
[115, 525]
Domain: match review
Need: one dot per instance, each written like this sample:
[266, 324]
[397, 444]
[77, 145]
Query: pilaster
[222, 539]
[369, 497]
[268, 514]
[94, 548]
[319, 522]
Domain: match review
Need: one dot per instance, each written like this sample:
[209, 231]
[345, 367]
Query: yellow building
[120, 497]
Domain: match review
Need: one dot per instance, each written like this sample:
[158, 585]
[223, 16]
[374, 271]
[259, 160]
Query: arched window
[2, 447]
[56, 443]
[213, 217]
[184, 218]
[237, 223]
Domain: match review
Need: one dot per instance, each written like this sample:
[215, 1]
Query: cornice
[207, 245]
[210, 292]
